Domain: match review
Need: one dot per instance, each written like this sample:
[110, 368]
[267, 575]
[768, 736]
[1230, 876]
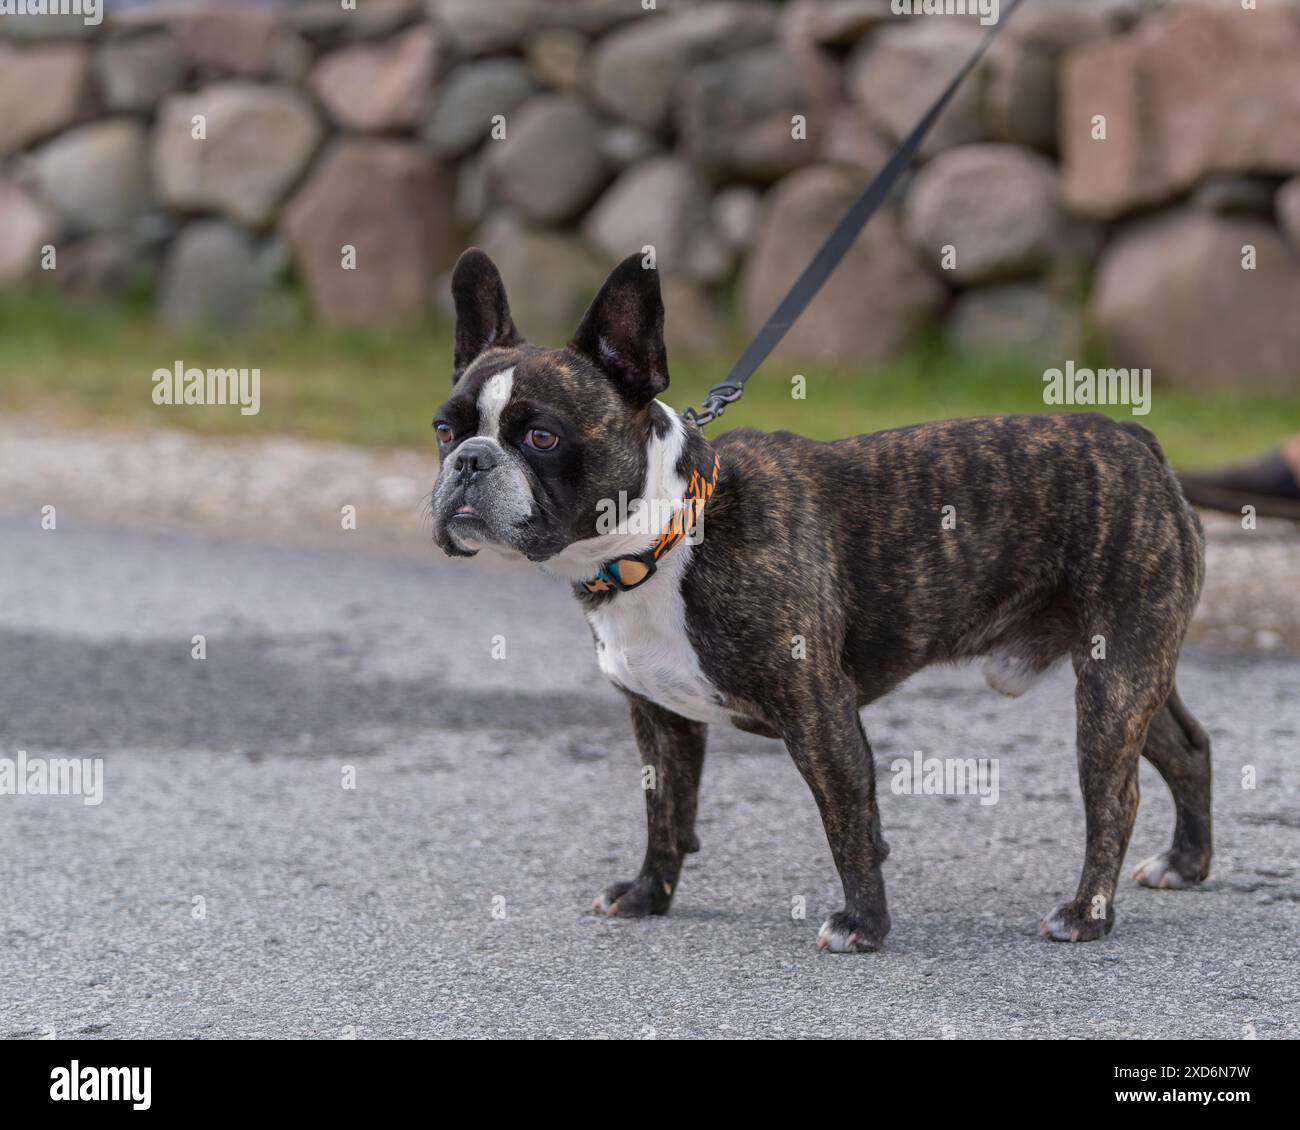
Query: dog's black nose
[472, 460]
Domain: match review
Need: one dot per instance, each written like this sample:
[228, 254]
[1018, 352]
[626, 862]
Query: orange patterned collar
[624, 573]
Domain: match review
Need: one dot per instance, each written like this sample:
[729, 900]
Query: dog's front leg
[672, 758]
[830, 748]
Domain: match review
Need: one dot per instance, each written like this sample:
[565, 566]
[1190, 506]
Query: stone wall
[1114, 164]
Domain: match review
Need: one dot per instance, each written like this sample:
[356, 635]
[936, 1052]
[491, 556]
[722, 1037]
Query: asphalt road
[447, 894]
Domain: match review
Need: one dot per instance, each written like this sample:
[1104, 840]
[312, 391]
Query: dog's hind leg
[1115, 703]
[672, 759]
[1180, 749]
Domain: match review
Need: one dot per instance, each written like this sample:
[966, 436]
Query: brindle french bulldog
[1067, 528]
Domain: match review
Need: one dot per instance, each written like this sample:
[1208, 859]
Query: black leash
[834, 249]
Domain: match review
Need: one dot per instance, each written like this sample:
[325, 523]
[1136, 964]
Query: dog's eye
[444, 432]
[541, 439]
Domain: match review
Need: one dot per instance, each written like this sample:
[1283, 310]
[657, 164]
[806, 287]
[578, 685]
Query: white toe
[836, 941]
[1158, 872]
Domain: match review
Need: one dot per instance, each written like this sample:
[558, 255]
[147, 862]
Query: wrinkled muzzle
[481, 497]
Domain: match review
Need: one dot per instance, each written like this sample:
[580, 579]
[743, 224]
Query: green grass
[379, 387]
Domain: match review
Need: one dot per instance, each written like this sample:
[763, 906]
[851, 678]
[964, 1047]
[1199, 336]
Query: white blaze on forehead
[492, 397]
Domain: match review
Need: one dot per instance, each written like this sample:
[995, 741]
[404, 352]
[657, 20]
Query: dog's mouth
[467, 528]
[468, 520]
[466, 523]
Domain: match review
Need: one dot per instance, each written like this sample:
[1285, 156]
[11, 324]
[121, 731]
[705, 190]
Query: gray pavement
[447, 894]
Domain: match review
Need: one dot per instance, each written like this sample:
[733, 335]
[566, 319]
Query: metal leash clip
[715, 403]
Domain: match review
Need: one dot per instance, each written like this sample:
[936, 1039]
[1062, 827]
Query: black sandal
[1268, 484]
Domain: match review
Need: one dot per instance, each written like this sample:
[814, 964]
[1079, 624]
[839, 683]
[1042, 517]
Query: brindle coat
[1064, 531]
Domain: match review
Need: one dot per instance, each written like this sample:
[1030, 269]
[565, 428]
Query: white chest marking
[641, 644]
[641, 641]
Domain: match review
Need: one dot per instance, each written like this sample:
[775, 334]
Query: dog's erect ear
[482, 313]
[622, 332]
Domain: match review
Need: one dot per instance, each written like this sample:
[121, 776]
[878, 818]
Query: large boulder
[26, 226]
[485, 27]
[557, 58]
[997, 206]
[329, 25]
[137, 72]
[550, 165]
[394, 204]
[470, 97]
[661, 202]
[378, 86]
[736, 115]
[551, 277]
[692, 324]
[876, 300]
[635, 71]
[850, 139]
[625, 145]
[1019, 321]
[259, 140]
[1020, 95]
[215, 275]
[42, 90]
[229, 41]
[97, 175]
[900, 71]
[1172, 295]
[1166, 126]
[1020, 104]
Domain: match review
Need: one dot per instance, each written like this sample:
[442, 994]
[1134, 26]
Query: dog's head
[534, 442]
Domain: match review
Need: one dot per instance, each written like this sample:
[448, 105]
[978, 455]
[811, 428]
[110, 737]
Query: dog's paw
[1071, 922]
[841, 933]
[642, 896]
[1170, 872]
